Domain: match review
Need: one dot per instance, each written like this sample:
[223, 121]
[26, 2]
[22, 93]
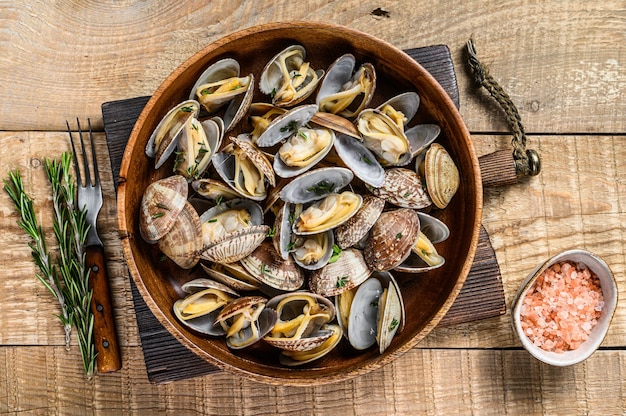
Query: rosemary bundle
[67, 278]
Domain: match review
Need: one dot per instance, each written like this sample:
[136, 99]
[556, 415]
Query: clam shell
[235, 246]
[316, 184]
[283, 170]
[326, 240]
[435, 231]
[272, 76]
[283, 126]
[353, 230]
[198, 140]
[261, 323]
[342, 82]
[163, 139]
[442, 175]
[162, 202]
[404, 188]
[257, 157]
[266, 265]
[391, 239]
[363, 317]
[391, 314]
[298, 309]
[214, 189]
[182, 243]
[336, 123]
[220, 70]
[349, 271]
[198, 288]
[232, 275]
[338, 217]
[407, 103]
[295, 358]
[360, 160]
[396, 152]
[421, 136]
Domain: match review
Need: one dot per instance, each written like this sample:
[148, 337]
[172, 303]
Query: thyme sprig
[68, 278]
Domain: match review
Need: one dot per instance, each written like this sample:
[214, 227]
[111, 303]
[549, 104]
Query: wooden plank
[562, 64]
[49, 380]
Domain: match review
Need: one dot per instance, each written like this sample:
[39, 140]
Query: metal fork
[90, 197]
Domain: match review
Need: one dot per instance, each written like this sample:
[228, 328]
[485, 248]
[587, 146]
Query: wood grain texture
[562, 62]
[557, 59]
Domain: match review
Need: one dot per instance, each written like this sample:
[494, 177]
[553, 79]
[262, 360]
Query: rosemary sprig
[68, 278]
[70, 228]
[48, 275]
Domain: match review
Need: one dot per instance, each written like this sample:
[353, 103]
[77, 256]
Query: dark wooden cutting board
[167, 360]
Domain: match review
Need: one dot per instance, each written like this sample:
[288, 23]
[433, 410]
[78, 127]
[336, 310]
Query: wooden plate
[427, 296]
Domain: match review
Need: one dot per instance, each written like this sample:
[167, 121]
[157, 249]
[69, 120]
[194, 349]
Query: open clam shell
[405, 103]
[162, 202]
[163, 140]
[288, 78]
[295, 358]
[313, 251]
[385, 137]
[424, 256]
[391, 313]
[303, 150]
[213, 189]
[232, 275]
[421, 136]
[199, 309]
[316, 184]
[328, 213]
[404, 188]
[246, 320]
[285, 125]
[300, 317]
[360, 160]
[266, 266]
[348, 271]
[391, 239]
[344, 91]
[245, 169]
[196, 145]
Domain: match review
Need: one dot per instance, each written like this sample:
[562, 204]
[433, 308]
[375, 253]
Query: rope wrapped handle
[526, 161]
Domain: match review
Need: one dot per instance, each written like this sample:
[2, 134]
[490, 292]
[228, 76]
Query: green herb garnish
[162, 206]
[394, 324]
[342, 281]
[399, 236]
[157, 215]
[336, 253]
[272, 232]
[321, 188]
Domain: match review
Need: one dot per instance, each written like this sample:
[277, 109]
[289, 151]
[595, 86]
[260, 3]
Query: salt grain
[562, 307]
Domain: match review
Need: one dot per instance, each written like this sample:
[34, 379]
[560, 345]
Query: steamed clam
[200, 307]
[424, 256]
[440, 173]
[329, 213]
[246, 320]
[288, 78]
[391, 239]
[196, 145]
[164, 138]
[344, 91]
[245, 169]
[219, 85]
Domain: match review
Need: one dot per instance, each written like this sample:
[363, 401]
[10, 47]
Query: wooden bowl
[427, 296]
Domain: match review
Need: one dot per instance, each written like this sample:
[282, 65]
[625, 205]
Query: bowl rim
[362, 368]
[609, 288]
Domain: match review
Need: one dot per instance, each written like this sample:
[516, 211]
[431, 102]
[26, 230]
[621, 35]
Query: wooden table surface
[563, 64]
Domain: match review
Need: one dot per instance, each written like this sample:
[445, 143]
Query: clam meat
[328, 213]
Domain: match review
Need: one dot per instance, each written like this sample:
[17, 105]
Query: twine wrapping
[527, 161]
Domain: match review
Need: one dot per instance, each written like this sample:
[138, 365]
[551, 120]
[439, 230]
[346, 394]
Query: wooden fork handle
[105, 336]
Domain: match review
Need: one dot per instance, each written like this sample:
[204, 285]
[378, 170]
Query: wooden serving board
[168, 360]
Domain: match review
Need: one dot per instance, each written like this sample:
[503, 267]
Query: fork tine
[93, 155]
[85, 160]
[76, 167]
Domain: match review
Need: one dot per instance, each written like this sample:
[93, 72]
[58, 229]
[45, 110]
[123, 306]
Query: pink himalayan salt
[562, 307]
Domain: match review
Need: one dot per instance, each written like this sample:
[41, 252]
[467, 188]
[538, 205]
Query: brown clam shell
[391, 239]
[403, 187]
[162, 202]
[442, 175]
[350, 270]
[182, 243]
[257, 157]
[353, 230]
[268, 267]
[235, 246]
